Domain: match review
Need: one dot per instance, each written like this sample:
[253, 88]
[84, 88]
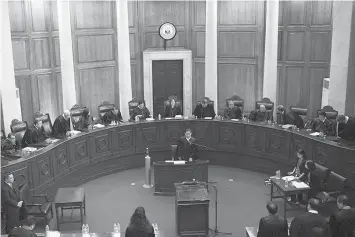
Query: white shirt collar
[313, 211]
[8, 184]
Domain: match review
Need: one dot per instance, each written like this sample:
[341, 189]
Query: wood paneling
[240, 51]
[34, 60]
[304, 52]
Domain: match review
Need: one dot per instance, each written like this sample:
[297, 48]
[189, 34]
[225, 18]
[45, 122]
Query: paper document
[289, 178]
[314, 134]
[53, 233]
[208, 117]
[235, 120]
[287, 126]
[179, 162]
[169, 161]
[299, 184]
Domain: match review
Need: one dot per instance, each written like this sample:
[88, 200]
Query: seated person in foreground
[204, 109]
[139, 225]
[322, 124]
[34, 134]
[260, 114]
[26, 228]
[290, 117]
[140, 112]
[61, 125]
[187, 149]
[342, 223]
[112, 116]
[299, 169]
[9, 145]
[272, 225]
[83, 123]
[302, 225]
[172, 110]
[346, 127]
[232, 111]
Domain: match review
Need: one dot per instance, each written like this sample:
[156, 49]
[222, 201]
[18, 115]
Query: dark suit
[171, 112]
[342, 223]
[325, 126]
[138, 111]
[203, 112]
[7, 147]
[257, 115]
[347, 131]
[10, 197]
[21, 232]
[61, 126]
[302, 225]
[234, 113]
[273, 226]
[187, 149]
[111, 116]
[33, 135]
[135, 232]
[290, 118]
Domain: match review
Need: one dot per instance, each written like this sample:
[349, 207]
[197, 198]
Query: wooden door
[167, 80]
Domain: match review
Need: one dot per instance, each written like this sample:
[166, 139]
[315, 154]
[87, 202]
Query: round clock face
[167, 31]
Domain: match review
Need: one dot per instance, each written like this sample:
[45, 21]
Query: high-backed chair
[178, 103]
[132, 105]
[237, 101]
[302, 112]
[19, 129]
[330, 113]
[46, 122]
[209, 101]
[76, 113]
[269, 105]
[105, 107]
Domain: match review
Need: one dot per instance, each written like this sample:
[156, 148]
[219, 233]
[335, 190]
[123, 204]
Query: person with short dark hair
[84, 121]
[26, 228]
[187, 149]
[322, 124]
[171, 110]
[9, 145]
[342, 222]
[140, 111]
[345, 127]
[205, 109]
[272, 225]
[139, 225]
[260, 114]
[34, 134]
[302, 225]
[232, 111]
[61, 125]
[112, 116]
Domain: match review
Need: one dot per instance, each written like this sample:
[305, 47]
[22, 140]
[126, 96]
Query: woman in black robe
[171, 110]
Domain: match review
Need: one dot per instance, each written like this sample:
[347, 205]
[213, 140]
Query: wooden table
[285, 191]
[70, 198]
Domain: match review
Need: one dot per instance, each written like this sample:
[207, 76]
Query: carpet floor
[242, 196]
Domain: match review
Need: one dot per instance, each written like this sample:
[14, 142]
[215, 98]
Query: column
[124, 60]
[341, 85]
[66, 54]
[211, 82]
[270, 59]
[10, 99]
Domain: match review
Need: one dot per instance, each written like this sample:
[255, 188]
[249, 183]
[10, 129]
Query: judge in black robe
[26, 229]
[272, 225]
[232, 112]
[187, 149]
[284, 117]
[84, 121]
[140, 111]
[260, 114]
[34, 134]
[61, 125]
[171, 110]
[112, 116]
[342, 222]
[322, 124]
[346, 127]
[204, 110]
[9, 145]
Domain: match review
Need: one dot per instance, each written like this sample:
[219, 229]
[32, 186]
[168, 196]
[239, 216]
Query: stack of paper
[99, 126]
[179, 162]
[235, 120]
[208, 117]
[299, 184]
[29, 149]
[289, 178]
[53, 234]
[314, 134]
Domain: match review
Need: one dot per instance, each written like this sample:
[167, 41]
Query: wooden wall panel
[35, 64]
[304, 48]
[95, 48]
[94, 15]
[240, 51]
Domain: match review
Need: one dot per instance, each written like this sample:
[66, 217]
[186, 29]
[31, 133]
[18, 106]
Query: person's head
[141, 104]
[262, 108]
[280, 108]
[86, 112]
[205, 102]
[271, 208]
[188, 132]
[9, 178]
[313, 204]
[139, 217]
[38, 123]
[115, 110]
[66, 114]
[310, 165]
[301, 154]
[12, 138]
[29, 222]
[321, 115]
[343, 201]
[230, 104]
[172, 102]
[341, 119]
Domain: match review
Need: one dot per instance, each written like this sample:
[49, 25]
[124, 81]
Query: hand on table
[19, 204]
[190, 159]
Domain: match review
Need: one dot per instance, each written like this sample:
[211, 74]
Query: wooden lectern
[191, 209]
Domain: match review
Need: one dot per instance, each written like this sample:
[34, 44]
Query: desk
[254, 146]
[167, 174]
[79, 234]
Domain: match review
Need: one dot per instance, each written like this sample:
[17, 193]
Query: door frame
[176, 54]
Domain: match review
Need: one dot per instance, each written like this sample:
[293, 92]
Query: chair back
[76, 112]
[46, 122]
[237, 101]
[209, 102]
[335, 182]
[18, 128]
[105, 107]
[269, 105]
[322, 173]
[132, 105]
[330, 113]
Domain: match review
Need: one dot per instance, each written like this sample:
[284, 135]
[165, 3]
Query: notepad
[53, 234]
[289, 178]
[314, 134]
[208, 117]
[299, 184]
[179, 162]
[169, 161]
[235, 120]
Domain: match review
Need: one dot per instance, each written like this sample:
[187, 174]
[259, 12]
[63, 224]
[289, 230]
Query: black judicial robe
[347, 131]
[302, 225]
[7, 147]
[111, 116]
[21, 232]
[257, 115]
[138, 231]
[171, 112]
[342, 223]
[319, 126]
[82, 124]
[61, 126]
[33, 135]
[137, 111]
[203, 112]
[187, 149]
[234, 113]
[273, 226]
[290, 118]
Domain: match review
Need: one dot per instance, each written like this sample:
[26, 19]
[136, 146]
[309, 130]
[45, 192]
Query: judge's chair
[209, 102]
[37, 205]
[237, 101]
[105, 107]
[46, 122]
[19, 129]
[76, 113]
[132, 105]
[178, 103]
[330, 113]
[302, 112]
[269, 105]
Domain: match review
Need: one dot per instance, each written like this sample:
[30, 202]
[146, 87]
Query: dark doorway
[167, 81]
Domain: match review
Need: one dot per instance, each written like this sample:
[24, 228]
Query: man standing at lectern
[187, 149]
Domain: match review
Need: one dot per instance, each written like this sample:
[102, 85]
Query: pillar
[9, 95]
[124, 60]
[271, 44]
[66, 54]
[342, 74]
[211, 82]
